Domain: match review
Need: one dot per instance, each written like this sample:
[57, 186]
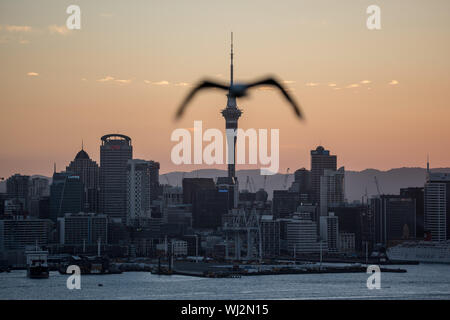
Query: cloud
[83, 79]
[124, 81]
[161, 83]
[354, 85]
[105, 79]
[32, 74]
[393, 82]
[12, 28]
[312, 84]
[62, 30]
[366, 81]
[288, 81]
[265, 88]
[332, 84]
[182, 84]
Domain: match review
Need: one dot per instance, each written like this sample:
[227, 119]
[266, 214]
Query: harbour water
[424, 281]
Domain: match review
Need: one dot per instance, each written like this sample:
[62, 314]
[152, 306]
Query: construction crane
[286, 178]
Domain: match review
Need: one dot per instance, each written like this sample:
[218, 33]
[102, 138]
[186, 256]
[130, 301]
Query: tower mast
[231, 114]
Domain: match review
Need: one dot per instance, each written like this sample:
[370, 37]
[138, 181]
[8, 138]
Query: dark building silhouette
[191, 185]
[17, 187]
[356, 219]
[394, 218]
[115, 151]
[302, 184]
[284, 203]
[320, 160]
[418, 195]
[88, 171]
[66, 195]
[208, 207]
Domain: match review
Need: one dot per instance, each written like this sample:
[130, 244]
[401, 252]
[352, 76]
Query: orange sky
[132, 62]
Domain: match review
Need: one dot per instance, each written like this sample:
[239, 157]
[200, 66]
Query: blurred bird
[238, 90]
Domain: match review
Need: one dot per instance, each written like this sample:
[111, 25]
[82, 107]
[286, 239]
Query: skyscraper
[437, 206]
[17, 187]
[115, 151]
[142, 188]
[320, 160]
[66, 194]
[88, 171]
[332, 191]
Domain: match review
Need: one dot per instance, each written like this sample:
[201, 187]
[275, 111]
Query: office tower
[346, 243]
[208, 207]
[270, 236]
[332, 191]
[17, 234]
[437, 206]
[329, 231]
[418, 195]
[142, 188]
[88, 171]
[115, 151]
[17, 187]
[66, 195]
[83, 229]
[284, 203]
[301, 235]
[320, 160]
[302, 184]
[191, 185]
[395, 218]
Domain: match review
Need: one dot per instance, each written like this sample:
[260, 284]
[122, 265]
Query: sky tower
[231, 114]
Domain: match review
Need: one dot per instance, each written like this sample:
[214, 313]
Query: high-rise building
[115, 151]
[395, 218]
[320, 160]
[329, 231]
[437, 206]
[208, 207]
[191, 185]
[284, 203]
[17, 187]
[66, 195]
[141, 189]
[418, 195]
[38, 188]
[88, 171]
[332, 191]
[302, 184]
[270, 236]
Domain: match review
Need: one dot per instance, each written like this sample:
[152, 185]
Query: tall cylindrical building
[115, 151]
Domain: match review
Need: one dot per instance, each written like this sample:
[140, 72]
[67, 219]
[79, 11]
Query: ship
[421, 251]
[37, 267]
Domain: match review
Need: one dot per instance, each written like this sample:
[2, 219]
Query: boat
[421, 251]
[37, 267]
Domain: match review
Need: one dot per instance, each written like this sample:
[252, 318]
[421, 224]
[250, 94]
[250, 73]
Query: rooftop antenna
[231, 65]
[54, 167]
[82, 144]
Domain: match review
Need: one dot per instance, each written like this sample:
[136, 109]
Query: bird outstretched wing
[273, 82]
[202, 85]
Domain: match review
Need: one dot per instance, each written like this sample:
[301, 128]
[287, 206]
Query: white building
[301, 234]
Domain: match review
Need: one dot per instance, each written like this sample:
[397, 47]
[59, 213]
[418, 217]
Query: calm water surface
[425, 281]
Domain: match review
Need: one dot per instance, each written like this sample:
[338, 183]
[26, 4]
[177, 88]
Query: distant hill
[356, 182]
